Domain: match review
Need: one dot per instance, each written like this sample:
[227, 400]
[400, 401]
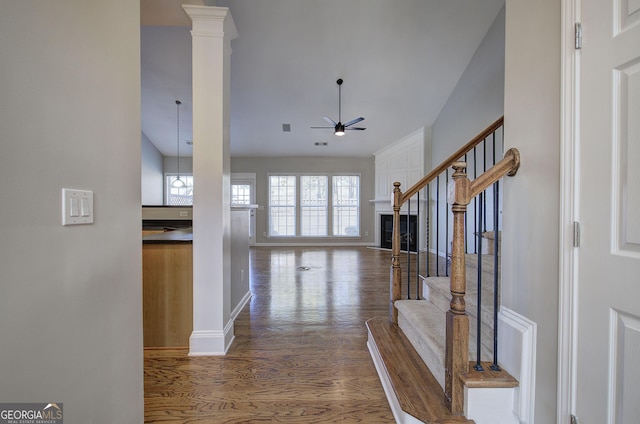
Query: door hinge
[574, 420]
[578, 34]
[576, 234]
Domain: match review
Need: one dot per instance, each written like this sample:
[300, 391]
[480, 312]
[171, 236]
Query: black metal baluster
[418, 246]
[496, 204]
[484, 169]
[466, 225]
[428, 229]
[437, 224]
[478, 365]
[408, 240]
[475, 202]
[446, 232]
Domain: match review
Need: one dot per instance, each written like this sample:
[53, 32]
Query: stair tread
[488, 378]
[415, 387]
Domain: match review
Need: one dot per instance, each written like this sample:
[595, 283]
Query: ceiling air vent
[286, 127]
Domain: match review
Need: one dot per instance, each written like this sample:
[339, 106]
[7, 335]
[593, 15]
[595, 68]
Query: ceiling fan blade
[356, 128]
[317, 128]
[355, 121]
[329, 120]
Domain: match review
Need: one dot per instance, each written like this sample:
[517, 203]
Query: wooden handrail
[507, 166]
[449, 161]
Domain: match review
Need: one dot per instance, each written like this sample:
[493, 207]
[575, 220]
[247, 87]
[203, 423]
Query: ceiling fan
[338, 127]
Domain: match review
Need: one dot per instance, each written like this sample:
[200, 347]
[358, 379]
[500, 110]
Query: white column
[212, 31]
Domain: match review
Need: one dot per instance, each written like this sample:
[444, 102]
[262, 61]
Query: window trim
[330, 205]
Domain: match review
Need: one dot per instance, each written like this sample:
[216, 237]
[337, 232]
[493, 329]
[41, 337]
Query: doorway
[243, 192]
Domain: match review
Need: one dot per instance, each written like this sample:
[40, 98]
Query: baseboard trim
[245, 299]
[325, 244]
[211, 342]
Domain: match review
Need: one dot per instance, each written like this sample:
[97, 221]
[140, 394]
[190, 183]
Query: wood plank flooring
[300, 352]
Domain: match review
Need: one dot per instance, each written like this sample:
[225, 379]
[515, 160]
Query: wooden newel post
[396, 280]
[457, 330]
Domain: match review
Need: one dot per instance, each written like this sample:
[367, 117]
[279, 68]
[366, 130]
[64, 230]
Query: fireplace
[386, 232]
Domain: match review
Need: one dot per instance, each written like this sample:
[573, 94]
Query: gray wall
[170, 164]
[478, 98]
[475, 103]
[530, 239]
[262, 167]
[152, 173]
[71, 302]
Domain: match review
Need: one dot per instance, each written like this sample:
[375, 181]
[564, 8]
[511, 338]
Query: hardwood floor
[300, 353]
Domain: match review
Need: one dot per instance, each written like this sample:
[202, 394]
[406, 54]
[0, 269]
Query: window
[310, 206]
[240, 194]
[346, 205]
[182, 196]
[282, 205]
[313, 206]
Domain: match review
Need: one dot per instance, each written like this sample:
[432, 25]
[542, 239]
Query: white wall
[152, 173]
[71, 302]
[531, 202]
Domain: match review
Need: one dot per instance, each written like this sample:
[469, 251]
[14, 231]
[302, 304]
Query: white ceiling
[399, 59]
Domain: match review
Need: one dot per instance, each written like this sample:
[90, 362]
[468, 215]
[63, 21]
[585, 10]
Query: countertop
[169, 237]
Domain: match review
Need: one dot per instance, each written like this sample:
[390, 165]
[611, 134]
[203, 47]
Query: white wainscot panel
[398, 161]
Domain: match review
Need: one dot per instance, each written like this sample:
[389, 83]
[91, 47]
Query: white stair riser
[490, 406]
[426, 332]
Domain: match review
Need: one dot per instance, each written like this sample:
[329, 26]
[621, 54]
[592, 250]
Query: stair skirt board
[400, 416]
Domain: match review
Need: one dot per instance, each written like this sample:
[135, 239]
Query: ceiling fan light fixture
[339, 128]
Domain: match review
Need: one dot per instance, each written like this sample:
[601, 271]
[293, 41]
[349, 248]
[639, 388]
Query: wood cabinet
[167, 276]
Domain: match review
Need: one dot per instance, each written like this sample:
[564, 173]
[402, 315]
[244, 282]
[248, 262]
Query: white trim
[245, 299]
[325, 244]
[211, 343]
[569, 195]
[404, 142]
[518, 340]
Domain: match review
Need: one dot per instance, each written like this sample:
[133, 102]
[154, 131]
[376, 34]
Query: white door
[607, 386]
[243, 192]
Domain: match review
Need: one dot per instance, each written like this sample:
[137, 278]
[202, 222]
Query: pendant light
[178, 183]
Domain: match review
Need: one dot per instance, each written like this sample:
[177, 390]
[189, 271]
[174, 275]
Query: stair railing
[467, 152]
[462, 193]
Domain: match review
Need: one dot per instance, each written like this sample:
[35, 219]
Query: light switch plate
[77, 207]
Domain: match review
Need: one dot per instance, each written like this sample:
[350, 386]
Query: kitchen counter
[169, 237]
[167, 285]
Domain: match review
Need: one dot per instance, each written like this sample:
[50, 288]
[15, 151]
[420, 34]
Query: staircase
[412, 353]
[422, 351]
